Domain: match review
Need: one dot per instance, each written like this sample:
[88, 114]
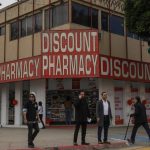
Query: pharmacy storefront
[70, 61]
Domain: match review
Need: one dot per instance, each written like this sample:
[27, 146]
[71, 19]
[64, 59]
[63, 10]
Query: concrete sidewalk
[62, 137]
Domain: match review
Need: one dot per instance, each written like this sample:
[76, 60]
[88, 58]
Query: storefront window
[38, 22]
[11, 108]
[23, 27]
[116, 25]
[104, 21]
[60, 15]
[29, 25]
[56, 16]
[14, 30]
[95, 18]
[2, 30]
[57, 93]
[84, 15]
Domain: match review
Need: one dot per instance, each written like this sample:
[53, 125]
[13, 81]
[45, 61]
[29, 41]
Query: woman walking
[40, 110]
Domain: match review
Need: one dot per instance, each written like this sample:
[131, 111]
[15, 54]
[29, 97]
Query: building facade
[58, 47]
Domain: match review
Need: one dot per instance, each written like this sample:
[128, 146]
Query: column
[127, 96]
[4, 104]
[38, 86]
[18, 107]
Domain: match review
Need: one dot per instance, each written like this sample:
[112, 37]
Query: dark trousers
[83, 132]
[135, 128]
[105, 126]
[41, 119]
[31, 134]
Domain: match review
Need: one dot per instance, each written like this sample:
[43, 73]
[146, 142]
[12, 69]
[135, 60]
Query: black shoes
[107, 142]
[130, 141]
[84, 143]
[31, 145]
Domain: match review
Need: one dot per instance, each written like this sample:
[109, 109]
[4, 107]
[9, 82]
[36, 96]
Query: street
[16, 138]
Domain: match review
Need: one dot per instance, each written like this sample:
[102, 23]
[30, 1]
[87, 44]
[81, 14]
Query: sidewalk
[62, 137]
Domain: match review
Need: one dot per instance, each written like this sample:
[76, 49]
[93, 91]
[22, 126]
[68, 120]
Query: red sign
[23, 69]
[70, 53]
[123, 69]
[66, 53]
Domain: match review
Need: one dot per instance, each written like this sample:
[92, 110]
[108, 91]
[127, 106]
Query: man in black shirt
[81, 115]
[31, 118]
[140, 119]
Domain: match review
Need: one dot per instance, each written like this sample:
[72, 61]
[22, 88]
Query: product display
[55, 111]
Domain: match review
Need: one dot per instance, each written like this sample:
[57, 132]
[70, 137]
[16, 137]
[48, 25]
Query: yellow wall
[104, 43]
[2, 39]
[145, 54]
[11, 46]
[118, 46]
[12, 13]
[37, 44]
[134, 49]
[25, 47]
[118, 43]
[2, 17]
[26, 7]
[39, 3]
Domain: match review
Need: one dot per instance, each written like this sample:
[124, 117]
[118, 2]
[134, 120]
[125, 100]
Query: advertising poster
[118, 105]
[147, 105]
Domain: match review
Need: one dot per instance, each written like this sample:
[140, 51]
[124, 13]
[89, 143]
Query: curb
[117, 144]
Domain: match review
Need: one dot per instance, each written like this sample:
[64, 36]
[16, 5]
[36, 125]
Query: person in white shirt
[40, 110]
[104, 115]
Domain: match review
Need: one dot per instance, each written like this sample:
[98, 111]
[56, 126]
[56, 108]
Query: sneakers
[75, 144]
[100, 142]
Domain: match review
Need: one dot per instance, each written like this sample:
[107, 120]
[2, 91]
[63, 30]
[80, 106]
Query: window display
[55, 111]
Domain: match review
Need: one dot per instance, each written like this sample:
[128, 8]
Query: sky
[6, 3]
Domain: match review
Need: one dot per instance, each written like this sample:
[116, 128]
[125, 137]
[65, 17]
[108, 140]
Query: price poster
[147, 103]
[134, 93]
[118, 105]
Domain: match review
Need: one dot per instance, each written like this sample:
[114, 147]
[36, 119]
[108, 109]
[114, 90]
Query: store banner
[23, 69]
[123, 69]
[70, 53]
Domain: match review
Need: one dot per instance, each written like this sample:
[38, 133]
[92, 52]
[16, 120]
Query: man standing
[104, 115]
[31, 118]
[81, 115]
[140, 119]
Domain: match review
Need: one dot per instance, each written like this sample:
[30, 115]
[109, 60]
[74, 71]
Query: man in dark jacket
[140, 119]
[81, 115]
[104, 115]
[31, 118]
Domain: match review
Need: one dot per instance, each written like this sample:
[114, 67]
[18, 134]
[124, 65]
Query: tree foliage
[137, 13]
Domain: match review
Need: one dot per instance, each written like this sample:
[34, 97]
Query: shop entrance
[55, 111]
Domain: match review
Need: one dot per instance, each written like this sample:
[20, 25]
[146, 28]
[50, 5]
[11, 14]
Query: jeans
[68, 114]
